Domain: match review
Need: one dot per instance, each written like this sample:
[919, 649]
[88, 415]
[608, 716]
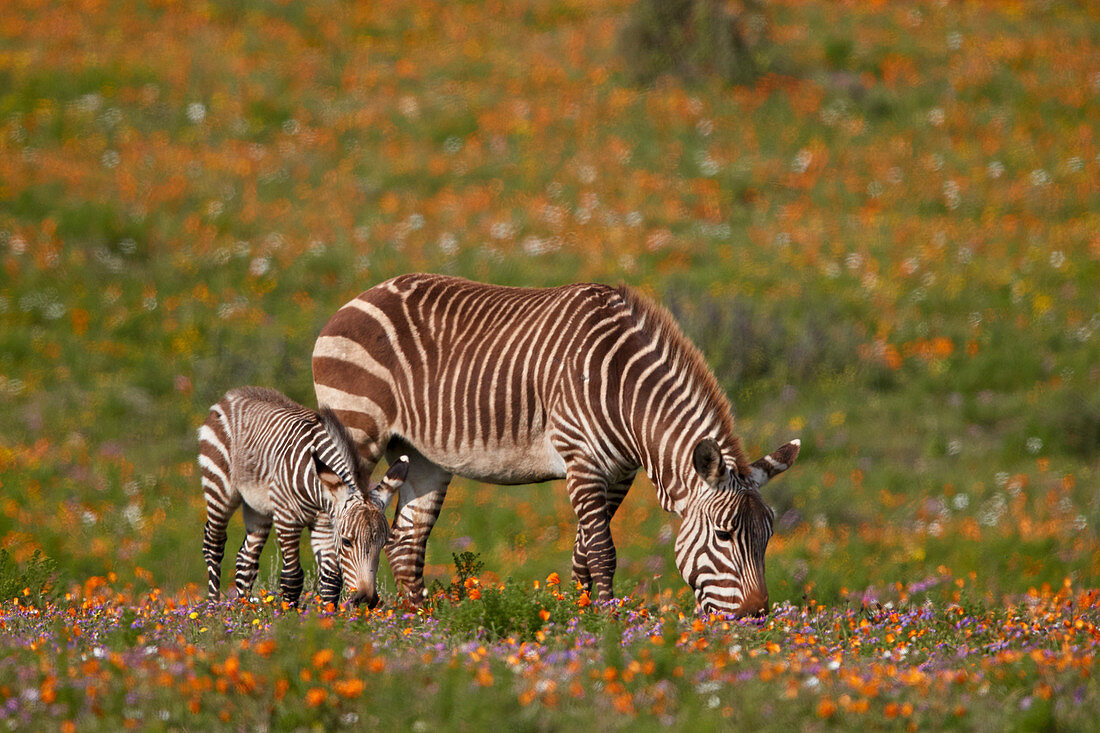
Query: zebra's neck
[671, 401]
[665, 454]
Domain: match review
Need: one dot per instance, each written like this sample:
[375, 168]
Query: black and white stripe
[294, 468]
[519, 385]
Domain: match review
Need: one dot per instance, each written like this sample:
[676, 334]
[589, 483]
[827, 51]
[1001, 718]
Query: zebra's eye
[345, 542]
[722, 535]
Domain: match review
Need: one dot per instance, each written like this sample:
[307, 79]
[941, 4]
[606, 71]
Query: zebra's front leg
[616, 492]
[291, 577]
[322, 538]
[418, 503]
[588, 493]
[257, 527]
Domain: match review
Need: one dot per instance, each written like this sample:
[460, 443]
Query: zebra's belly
[498, 464]
[257, 495]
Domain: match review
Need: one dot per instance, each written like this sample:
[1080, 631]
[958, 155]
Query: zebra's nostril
[371, 599]
[754, 606]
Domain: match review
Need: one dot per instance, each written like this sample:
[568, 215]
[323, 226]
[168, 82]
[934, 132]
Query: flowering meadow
[887, 244]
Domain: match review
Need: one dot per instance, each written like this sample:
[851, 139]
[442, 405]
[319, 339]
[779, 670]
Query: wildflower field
[887, 244]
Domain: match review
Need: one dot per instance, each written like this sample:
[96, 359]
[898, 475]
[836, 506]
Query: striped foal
[516, 385]
[295, 468]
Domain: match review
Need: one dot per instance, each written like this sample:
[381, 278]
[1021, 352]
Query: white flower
[259, 266]
[196, 112]
[448, 243]
[802, 161]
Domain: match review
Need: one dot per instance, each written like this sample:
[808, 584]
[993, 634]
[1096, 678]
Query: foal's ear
[708, 461]
[330, 480]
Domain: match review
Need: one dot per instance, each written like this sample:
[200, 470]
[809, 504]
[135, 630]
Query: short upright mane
[343, 442]
[669, 331]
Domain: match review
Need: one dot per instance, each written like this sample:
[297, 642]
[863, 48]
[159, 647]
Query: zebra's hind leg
[291, 577]
[218, 513]
[257, 527]
[418, 503]
[616, 492]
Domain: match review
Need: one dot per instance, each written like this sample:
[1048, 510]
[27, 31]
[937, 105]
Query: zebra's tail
[383, 491]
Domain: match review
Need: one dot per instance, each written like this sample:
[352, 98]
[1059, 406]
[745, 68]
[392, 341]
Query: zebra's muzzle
[368, 597]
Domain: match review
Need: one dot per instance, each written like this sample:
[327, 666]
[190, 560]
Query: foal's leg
[257, 527]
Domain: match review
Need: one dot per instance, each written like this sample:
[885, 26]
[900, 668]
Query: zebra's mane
[341, 439]
[656, 317]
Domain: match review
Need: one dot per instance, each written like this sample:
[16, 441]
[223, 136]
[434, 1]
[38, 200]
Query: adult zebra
[519, 385]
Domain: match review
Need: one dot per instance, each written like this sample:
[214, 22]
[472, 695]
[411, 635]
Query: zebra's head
[725, 530]
[361, 531]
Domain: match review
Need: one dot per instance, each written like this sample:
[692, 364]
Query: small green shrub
[747, 344]
[695, 39]
[1070, 419]
[35, 577]
[493, 612]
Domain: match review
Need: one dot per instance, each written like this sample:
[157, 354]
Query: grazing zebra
[297, 468]
[519, 385]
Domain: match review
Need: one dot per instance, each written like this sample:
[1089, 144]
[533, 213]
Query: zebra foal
[519, 385]
[295, 468]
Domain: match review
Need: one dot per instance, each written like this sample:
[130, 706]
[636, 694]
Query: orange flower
[584, 600]
[826, 708]
[553, 579]
[544, 614]
[322, 657]
[475, 593]
[623, 703]
[350, 688]
[316, 696]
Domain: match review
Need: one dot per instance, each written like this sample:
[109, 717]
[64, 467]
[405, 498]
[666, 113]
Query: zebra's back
[468, 373]
[256, 439]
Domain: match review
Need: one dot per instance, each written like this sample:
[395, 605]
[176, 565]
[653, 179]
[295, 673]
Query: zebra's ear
[384, 490]
[773, 464]
[708, 461]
